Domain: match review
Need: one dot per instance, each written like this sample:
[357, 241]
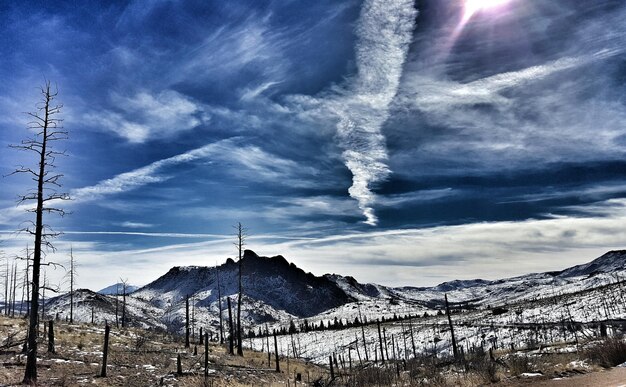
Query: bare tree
[71, 275]
[14, 288]
[48, 130]
[241, 239]
[28, 259]
[6, 288]
[117, 296]
[124, 283]
[219, 300]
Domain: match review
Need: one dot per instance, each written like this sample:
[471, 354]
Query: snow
[531, 309]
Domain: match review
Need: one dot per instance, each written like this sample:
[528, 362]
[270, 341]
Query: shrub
[483, 366]
[609, 352]
[520, 364]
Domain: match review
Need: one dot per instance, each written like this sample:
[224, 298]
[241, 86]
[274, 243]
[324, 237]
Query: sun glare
[474, 6]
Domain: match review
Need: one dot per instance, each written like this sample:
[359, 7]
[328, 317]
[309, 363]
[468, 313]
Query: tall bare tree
[117, 297]
[124, 283]
[219, 300]
[28, 259]
[47, 129]
[241, 240]
[71, 275]
[6, 288]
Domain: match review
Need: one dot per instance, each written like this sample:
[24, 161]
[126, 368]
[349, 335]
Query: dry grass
[609, 352]
[139, 358]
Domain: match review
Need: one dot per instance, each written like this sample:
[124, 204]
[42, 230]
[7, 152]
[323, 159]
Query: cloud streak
[438, 95]
[245, 161]
[493, 250]
[384, 32]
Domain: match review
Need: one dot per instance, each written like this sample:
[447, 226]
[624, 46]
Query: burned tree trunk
[48, 130]
[276, 352]
[454, 347]
[105, 351]
[231, 348]
[187, 321]
[51, 348]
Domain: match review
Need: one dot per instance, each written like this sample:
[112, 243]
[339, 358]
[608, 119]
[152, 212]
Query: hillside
[549, 316]
[276, 291]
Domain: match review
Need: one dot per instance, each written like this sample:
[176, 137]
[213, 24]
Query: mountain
[102, 308]
[272, 281]
[117, 289]
[610, 262]
[276, 291]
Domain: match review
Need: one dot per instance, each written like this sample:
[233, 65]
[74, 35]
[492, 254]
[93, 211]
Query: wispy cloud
[384, 32]
[432, 95]
[245, 161]
[128, 224]
[488, 250]
[250, 45]
[149, 116]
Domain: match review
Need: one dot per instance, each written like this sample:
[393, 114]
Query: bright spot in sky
[473, 6]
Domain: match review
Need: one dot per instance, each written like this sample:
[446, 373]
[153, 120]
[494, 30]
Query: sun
[474, 6]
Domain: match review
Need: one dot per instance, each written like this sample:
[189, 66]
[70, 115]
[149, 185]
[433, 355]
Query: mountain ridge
[277, 291]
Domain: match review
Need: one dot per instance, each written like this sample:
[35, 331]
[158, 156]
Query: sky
[400, 142]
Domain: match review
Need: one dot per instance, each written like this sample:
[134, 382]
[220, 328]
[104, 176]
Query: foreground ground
[615, 377]
[139, 358]
[144, 358]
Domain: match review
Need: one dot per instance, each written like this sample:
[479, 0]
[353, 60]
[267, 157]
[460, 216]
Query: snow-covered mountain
[610, 262]
[276, 291]
[272, 281]
[117, 288]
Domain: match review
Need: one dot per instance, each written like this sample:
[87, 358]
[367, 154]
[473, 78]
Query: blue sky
[401, 142]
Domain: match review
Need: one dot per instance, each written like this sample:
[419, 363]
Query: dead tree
[276, 352]
[206, 354]
[105, 350]
[6, 288]
[219, 300]
[14, 288]
[71, 274]
[51, 348]
[231, 349]
[412, 338]
[124, 283]
[187, 321]
[26, 283]
[193, 319]
[117, 296]
[363, 334]
[48, 130]
[454, 348]
[380, 339]
[241, 238]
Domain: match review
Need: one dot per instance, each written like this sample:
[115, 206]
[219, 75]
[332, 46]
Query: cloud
[245, 160]
[231, 50]
[129, 224]
[146, 116]
[249, 94]
[416, 257]
[400, 200]
[248, 162]
[384, 32]
[441, 96]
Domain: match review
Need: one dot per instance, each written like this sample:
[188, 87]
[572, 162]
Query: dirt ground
[614, 377]
[139, 358]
